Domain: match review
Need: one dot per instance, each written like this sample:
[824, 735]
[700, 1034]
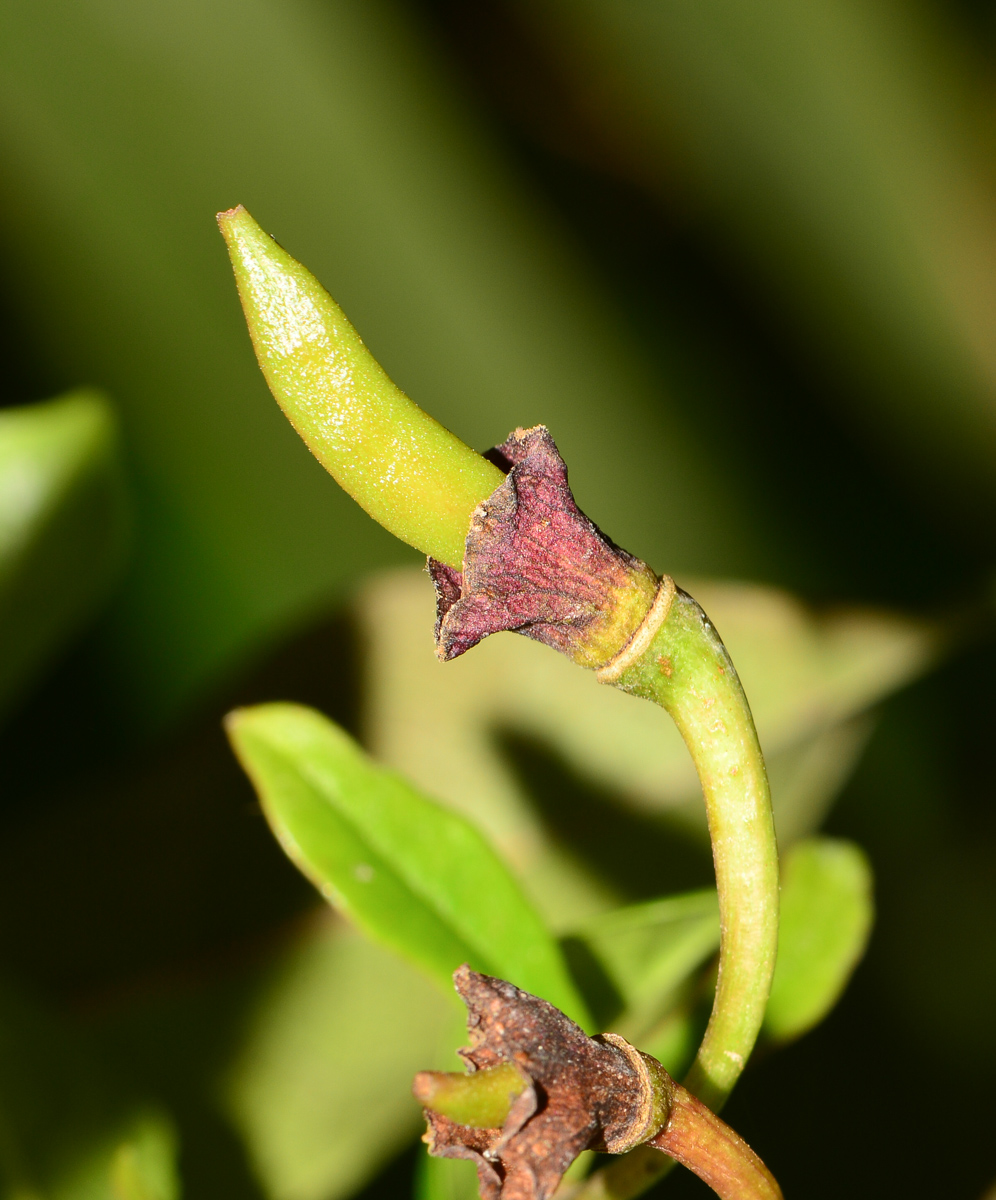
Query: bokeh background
[740, 257]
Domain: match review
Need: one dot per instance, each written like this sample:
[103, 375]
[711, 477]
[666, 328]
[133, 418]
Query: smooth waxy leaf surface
[62, 524]
[416, 876]
[826, 917]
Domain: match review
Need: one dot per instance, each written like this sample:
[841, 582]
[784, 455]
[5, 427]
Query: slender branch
[677, 660]
[683, 665]
[695, 1137]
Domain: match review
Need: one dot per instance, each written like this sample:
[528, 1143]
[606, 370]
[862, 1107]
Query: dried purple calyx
[580, 1093]
[535, 564]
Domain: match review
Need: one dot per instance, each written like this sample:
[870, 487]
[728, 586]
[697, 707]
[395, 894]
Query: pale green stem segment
[678, 661]
[482, 1099]
[410, 474]
[686, 669]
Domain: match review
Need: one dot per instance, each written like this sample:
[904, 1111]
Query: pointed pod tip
[481, 1099]
[425, 1087]
[236, 223]
[232, 720]
[230, 214]
[411, 474]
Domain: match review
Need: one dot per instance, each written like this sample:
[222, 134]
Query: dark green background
[737, 256]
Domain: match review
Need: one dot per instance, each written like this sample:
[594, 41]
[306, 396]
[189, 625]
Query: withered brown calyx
[535, 564]
[583, 1093]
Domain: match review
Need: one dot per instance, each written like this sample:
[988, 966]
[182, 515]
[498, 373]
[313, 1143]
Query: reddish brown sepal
[585, 1093]
[535, 564]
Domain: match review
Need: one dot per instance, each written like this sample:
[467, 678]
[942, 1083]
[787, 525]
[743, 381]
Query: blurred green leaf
[808, 677]
[445, 1179]
[649, 951]
[643, 969]
[826, 918]
[320, 1089]
[143, 1167]
[62, 524]
[68, 1132]
[413, 874]
[807, 777]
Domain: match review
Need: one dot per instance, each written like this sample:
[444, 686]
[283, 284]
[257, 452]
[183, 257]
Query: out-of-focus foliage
[67, 1130]
[648, 955]
[445, 1179]
[826, 917]
[844, 151]
[321, 1087]
[739, 257]
[62, 524]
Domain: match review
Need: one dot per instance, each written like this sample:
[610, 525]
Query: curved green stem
[678, 661]
[686, 669]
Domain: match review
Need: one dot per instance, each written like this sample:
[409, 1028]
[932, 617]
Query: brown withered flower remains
[539, 1091]
[581, 1093]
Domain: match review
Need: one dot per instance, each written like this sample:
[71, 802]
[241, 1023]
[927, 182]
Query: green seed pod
[408, 472]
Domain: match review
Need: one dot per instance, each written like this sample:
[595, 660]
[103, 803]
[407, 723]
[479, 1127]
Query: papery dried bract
[585, 1092]
[535, 564]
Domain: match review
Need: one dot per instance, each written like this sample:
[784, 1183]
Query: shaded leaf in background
[808, 677]
[62, 528]
[826, 918]
[414, 875]
[354, 146]
[648, 953]
[445, 1179]
[67, 1131]
[320, 1088]
[143, 1167]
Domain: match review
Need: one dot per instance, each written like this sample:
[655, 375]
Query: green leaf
[320, 1088]
[826, 918]
[62, 523]
[415, 876]
[143, 1165]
